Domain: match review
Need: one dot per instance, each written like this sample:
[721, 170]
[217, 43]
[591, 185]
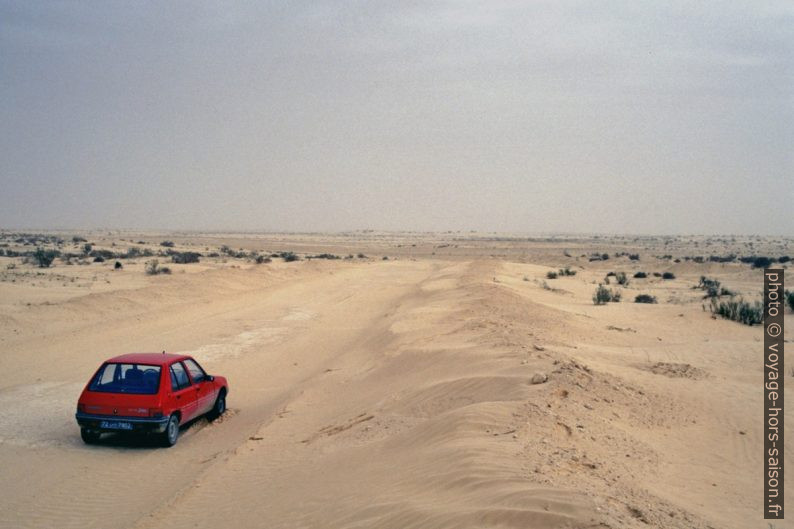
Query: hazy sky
[622, 116]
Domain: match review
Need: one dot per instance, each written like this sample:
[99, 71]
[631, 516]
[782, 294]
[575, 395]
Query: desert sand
[452, 385]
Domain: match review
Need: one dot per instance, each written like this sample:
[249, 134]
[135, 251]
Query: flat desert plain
[419, 381]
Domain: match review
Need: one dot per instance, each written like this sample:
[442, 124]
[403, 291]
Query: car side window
[179, 378]
[196, 373]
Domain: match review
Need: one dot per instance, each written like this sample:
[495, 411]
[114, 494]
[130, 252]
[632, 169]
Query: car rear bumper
[138, 424]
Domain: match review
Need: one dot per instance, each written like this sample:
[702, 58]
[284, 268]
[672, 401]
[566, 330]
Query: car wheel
[89, 436]
[219, 407]
[171, 433]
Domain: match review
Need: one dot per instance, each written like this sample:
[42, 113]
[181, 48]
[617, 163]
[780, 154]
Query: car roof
[148, 358]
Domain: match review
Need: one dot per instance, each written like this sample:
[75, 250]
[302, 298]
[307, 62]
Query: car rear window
[127, 378]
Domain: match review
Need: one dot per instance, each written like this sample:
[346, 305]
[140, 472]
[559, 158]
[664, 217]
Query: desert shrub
[361, 256]
[711, 286]
[706, 283]
[604, 256]
[611, 274]
[118, 265]
[324, 256]
[645, 298]
[762, 262]
[226, 250]
[725, 292]
[385, 257]
[153, 268]
[739, 310]
[87, 248]
[722, 258]
[789, 295]
[44, 258]
[783, 259]
[134, 252]
[167, 244]
[104, 254]
[551, 274]
[185, 257]
[757, 261]
[640, 275]
[78, 240]
[260, 259]
[99, 259]
[668, 275]
[634, 256]
[288, 257]
[603, 295]
[566, 272]
[622, 279]
[213, 254]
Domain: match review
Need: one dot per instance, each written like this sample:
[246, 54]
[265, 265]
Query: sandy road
[267, 339]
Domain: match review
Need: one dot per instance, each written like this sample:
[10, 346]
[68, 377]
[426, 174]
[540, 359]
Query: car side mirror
[209, 378]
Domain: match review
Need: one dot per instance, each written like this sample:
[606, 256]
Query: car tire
[171, 433]
[218, 408]
[89, 436]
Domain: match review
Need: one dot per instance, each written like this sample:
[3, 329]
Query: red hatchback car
[148, 393]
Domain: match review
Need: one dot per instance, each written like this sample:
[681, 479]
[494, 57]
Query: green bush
[645, 298]
[604, 295]
[44, 258]
[153, 268]
[167, 244]
[622, 279]
[185, 257]
[739, 310]
[762, 262]
[640, 275]
[566, 272]
[668, 275]
[790, 299]
[551, 274]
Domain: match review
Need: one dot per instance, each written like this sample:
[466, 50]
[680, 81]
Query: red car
[151, 393]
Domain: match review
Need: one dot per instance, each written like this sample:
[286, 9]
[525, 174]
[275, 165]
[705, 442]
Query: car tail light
[155, 412]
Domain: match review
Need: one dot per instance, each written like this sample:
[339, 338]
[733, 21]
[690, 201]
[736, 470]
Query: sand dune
[427, 391]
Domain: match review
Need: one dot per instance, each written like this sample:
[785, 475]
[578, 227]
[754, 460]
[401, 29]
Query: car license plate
[115, 425]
